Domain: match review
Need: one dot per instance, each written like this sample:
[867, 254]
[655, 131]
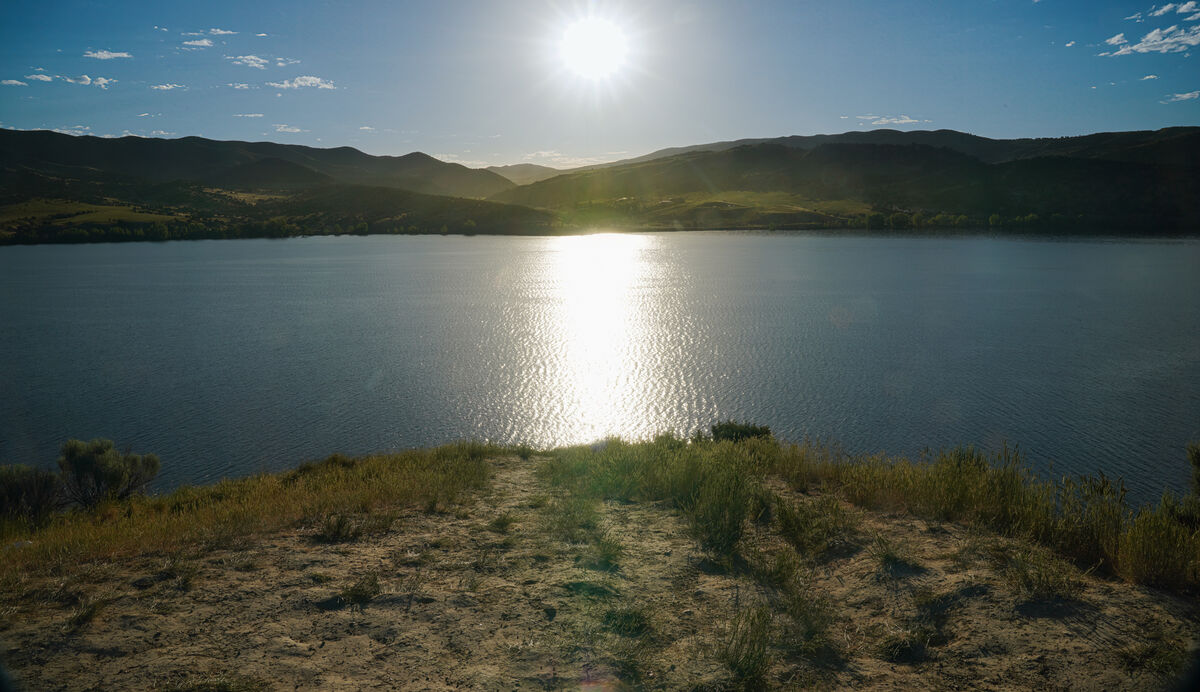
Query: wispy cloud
[1070, 43]
[221, 32]
[454, 158]
[84, 80]
[247, 115]
[261, 35]
[557, 159]
[198, 43]
[167, 87]
[1149, 76]
[1173, 39]
[367, 128]
[303, 81]
[39, 77]
[1136, 17]
[13, 82]
[282, 127]
[1189, 96]
[284, 62]
[1162, 10]
[1117, 40]
[77, 130]
[239, 85]
[249, 61]
[160, 133]
[106, 54]
[890, 120]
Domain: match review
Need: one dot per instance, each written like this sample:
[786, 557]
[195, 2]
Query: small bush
[94, 472]
[362, 591]
[28, 493]
[339, 528]
[745, 648]
[627, 621]
[814, 527]
[736, 432]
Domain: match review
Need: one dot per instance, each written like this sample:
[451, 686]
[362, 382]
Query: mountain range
[59, 187]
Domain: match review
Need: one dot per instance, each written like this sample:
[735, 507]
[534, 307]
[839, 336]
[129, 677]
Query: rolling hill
[198, 159]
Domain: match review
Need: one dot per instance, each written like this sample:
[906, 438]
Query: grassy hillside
[879, 186]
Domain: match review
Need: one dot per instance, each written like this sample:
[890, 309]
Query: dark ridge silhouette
[196, 158]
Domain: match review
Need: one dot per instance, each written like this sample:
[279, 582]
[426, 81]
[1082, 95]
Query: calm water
[229, 357]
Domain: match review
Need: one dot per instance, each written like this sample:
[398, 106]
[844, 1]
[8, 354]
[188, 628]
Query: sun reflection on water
[598, 372]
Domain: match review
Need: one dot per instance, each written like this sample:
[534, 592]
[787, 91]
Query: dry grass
[216, 515]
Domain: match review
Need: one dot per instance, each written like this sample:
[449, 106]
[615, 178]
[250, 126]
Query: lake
[231, 357]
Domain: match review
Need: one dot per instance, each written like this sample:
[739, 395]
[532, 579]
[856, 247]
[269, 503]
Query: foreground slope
[489, 568]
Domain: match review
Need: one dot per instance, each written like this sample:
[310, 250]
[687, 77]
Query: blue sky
[483, 82]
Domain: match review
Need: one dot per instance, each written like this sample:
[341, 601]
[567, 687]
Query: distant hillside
[269, 173]
[198, 159]
[1175, 146]
[1110, 181]
[524, 173]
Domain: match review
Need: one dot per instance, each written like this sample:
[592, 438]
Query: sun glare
[594, 48]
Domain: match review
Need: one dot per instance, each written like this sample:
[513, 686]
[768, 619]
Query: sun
[594, 48]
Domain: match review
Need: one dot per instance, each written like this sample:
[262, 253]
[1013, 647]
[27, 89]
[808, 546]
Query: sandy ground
[465, 602]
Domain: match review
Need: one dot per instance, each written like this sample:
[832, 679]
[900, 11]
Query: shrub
[27, 493]
[745, 648]
[736, 432]
[95, 471]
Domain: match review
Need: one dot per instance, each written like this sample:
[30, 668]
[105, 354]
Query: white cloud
[553, 158]
[13, 82]
[453, 158]
[890, 120]
[367, 128]
[238, 85]
[1117, 40]
[1170, 40]
[1070, 43]
[167, 87]
[160, 133]
[280, 127]
[1149, 76]
[247, 115]
[84, 80]
[106, 54]
[260, 35]
[1162, 10]
[160, 28]
[200, 43]
[1188, 7]
[302, 82]
[143, 115]
[249, 61]
[284, 62]
[221, 32]
[1136, 16]
[192, 33]
[1190, 96]
[40, 77]
[77, 130]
